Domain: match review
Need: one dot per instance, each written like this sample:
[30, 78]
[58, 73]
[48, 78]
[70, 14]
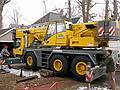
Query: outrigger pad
[46, 73]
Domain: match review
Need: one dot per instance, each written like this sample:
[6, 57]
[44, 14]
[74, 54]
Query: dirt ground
[8, 82]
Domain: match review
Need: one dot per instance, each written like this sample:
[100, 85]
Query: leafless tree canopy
[85, 6]
[2, 3]
[16, 16]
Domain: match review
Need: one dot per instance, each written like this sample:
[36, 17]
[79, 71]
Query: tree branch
[92, 6]
[79, 2]
[6, 1]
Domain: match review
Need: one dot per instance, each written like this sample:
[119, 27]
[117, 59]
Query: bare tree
[16, 16]
[85, 6]
[75, 9]
[118, 6]
[2, 3]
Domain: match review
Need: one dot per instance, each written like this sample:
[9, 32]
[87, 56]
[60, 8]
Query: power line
[69, 8]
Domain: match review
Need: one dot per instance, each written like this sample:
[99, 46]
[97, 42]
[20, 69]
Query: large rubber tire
[33, 64]
[79, 61]
[58, 58]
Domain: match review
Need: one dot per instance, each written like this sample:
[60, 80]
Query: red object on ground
[2, 62]
[53, 86]
[89, 76]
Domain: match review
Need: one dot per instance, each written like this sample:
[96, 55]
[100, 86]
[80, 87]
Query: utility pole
[106, 22]
[69, 8]
[106, 9]
[44, 10]
[115, 9]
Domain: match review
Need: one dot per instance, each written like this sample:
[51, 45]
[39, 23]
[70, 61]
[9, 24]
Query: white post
[88, 86]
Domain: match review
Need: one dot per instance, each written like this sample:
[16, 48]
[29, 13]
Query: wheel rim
[29, 60]
[57, 64]
[81, 68]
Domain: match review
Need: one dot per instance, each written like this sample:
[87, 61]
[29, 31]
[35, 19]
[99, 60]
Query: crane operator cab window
[54, 28]
[51, 29]
[60, 27]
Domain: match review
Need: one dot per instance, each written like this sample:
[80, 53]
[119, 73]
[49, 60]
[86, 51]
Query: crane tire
[59, 65]
[79, 68]
[30, 61]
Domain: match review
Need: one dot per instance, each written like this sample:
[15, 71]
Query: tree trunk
[0, 19]
[88, 9]
[2, 3]
[83, 10]
[1, 9]
[85, 6]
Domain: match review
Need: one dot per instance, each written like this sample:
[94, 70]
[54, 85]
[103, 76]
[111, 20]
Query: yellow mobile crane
[64, 48]
[82, 35]
[27, 37]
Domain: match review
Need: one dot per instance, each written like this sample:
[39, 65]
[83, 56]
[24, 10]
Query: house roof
[4, 32]
[54, 17]
[6, 37]
[49, 18]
